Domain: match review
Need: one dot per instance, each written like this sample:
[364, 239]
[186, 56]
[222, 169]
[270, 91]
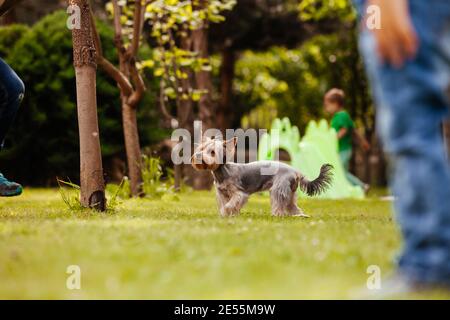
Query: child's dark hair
[335, 96]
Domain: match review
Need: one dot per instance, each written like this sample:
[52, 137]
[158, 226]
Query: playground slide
[318, 146]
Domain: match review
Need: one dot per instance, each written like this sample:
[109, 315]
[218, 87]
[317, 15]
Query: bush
[44, 141]
[9, 37]
[291, 82]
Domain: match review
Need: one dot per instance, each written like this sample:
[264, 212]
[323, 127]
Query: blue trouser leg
[11, 94]
[412, 103]
[345, 157]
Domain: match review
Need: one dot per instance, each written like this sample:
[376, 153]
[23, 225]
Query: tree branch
[139, 85]
[108, 67]
[122, 81]
[117, 26]
[137, 28]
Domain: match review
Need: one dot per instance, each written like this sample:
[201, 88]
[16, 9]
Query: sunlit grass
[183, 249]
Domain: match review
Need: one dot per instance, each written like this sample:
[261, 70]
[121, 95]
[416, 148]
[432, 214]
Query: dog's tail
[319, 185]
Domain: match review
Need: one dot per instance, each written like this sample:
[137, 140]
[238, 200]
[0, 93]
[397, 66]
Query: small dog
[235, 182]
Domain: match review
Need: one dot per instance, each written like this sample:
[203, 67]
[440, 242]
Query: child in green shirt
[345, 128]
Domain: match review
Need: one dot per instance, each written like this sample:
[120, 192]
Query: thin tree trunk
[203, 180]
[130, 94]
[203, 78]
[131, 137]
[185, 114]
[225, 115]
[133, 149]
[178, 176]
[92, 184]
[185, 120]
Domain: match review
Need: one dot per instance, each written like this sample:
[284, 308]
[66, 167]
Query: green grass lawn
[183, 250]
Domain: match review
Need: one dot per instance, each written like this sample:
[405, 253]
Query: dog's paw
[301, 215]
[228, 210]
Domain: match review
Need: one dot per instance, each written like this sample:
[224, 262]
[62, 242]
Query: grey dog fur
[235, 182]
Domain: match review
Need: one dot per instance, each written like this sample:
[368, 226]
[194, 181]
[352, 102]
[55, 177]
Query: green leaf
[158, 72]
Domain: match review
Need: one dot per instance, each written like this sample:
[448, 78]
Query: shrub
[9, 37]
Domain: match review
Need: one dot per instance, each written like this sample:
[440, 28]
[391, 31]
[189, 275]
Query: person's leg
[411, 105]
[354, 180]
[345, 157]
[11, 94]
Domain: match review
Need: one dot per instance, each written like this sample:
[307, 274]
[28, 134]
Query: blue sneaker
[8, 188]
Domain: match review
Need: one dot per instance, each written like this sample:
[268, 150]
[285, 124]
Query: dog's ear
[230, 148]
[230, 144]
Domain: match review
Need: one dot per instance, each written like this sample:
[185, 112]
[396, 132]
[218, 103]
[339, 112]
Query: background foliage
[292, 83]
[287, 54]
[43, 143]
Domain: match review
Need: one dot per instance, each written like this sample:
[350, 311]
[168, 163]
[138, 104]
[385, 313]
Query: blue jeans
[412, 103]
[11, 94]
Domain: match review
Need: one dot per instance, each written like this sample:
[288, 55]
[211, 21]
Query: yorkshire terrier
[235, 182]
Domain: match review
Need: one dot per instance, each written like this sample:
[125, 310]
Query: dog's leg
[281, 196]
[235, 204]
[294, 210]
[222, 199]
[278, 203]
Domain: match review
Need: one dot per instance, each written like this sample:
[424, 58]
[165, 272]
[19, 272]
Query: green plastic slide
[318, 146]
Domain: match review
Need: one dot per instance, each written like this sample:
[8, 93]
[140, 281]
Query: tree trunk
[130, 96]
[92, 193]
[185, 115]
[129, 108]
[131, 137]
[203, 78]
[225, 115]
[178, 176]
[133, 149]
[203, 180]
[185, 120]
